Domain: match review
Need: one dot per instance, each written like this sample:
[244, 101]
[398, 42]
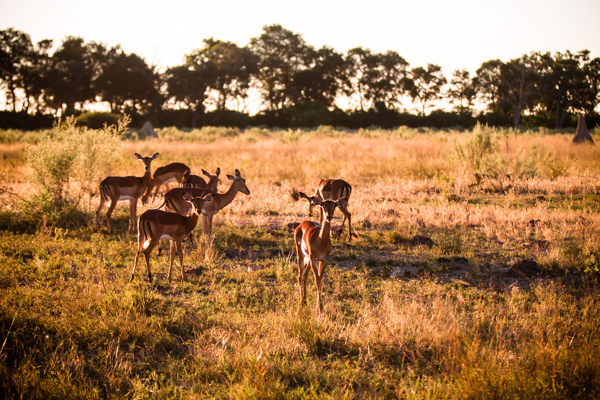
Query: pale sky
[453, 34]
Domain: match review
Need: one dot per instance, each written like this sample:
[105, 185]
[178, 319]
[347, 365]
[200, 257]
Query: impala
[313, 245]
[173, 201]
[115, 188]
[333, 189]
[196, 181]
[155, 225]
[167, 174]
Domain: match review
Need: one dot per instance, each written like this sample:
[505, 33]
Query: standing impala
[115, 188]
[155, 225]
[167, 174]
[313, 245]
[173, 201]
[333, 189]
[196, 181]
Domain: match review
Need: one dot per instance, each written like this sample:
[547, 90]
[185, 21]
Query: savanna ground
[501, 302]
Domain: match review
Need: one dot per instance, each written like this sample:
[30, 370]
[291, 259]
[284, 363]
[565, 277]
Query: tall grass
[454, 320]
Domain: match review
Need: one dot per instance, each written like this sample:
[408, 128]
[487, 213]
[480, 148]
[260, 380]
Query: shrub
[67, 163]
[481, 152]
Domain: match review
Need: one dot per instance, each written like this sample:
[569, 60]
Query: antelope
[196, 181]
[167, 174]
[173, 201]
[115, 188]
[155, 225]
[313, 245]
[333, 189]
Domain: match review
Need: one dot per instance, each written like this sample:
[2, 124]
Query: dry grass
[453, 320]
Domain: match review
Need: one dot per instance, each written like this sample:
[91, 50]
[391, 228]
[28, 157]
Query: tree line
[296, 83]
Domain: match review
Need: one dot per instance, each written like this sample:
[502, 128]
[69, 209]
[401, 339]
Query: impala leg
[207, 222]
[348, 216]
[100, 207]
[171, 259]
[180, 251]
[132, 215]
[319, 279]
[111, 208]
[313, 264]
[147, 251]
[135, 263]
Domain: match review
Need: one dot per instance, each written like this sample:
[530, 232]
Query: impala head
[216, 175]
[197, 202]
[328, 206]
[146, 160]
[237, 179]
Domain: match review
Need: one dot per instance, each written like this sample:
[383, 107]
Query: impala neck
[229, 195]
[325, 232]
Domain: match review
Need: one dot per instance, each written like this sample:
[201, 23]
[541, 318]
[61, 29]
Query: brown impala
[115, 188]
[313, 245]
[155, 225]
[333, 189]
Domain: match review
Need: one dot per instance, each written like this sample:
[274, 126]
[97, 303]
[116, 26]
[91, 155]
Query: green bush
[68, 162]
[481, 152]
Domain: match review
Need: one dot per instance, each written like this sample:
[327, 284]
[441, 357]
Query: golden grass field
[503, 304]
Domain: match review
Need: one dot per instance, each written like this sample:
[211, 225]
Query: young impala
[115, 188]
[333, 189]
[155, 225]
[313, 245]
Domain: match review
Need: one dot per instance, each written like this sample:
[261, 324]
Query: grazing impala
[173, 201]
[333, 189]
[196, 181]
[313, 245]
[155, 225]
[167, 174]
[115, 188]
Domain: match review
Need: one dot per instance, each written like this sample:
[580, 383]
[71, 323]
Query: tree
[322, 80]
[74, 66]
[281, 55]
[234, 67]
[377, 77]
[462, 90]
[427, 84]
[188, 86]
[126, 81]
[15, 52]
[487, 83]
[520, 81]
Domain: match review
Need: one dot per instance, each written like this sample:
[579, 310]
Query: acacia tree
[281, 55]
[428, 85]
[234, 67]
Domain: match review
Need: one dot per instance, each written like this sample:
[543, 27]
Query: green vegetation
[455, 286]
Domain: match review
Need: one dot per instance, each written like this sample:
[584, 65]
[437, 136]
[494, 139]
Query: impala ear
[341, 202]
[218, 172]
[154, 156]
[317, 201]
[208, 197]
[205, 173]
[237, 173]
[186, 174]
[231, 177]
[139, 157]
[305, 196]
[187, 197]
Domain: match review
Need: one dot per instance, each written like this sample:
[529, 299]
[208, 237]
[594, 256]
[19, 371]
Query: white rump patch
[125, 197]
[146, 244]
[165, 236]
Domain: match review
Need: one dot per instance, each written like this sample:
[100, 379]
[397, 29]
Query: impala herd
[176, 218]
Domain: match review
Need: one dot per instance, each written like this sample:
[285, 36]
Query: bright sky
[453, 34]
